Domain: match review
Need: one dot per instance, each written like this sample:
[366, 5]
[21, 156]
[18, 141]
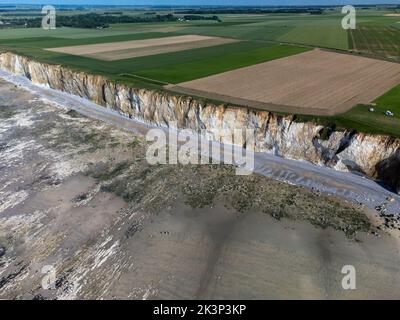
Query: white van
[389, 113]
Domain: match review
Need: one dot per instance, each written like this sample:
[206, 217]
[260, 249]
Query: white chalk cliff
[377, 156]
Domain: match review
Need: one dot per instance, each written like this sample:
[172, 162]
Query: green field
[374, 40]
[180, 71]
[324, 36]
[263, 37]
[172, 67]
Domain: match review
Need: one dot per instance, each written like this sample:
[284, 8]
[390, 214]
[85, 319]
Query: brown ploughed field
[316, 82]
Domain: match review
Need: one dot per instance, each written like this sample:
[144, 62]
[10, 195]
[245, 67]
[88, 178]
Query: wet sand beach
[77, 195]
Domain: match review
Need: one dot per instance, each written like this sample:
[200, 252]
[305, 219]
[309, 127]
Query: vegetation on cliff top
[361, 119]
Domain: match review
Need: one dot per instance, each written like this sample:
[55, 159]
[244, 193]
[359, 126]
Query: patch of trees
[30, 14]
[197, 17]
[95, 20]
[253, 11]
[113, 13]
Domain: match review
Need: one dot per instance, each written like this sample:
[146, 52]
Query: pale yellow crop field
[139, 48]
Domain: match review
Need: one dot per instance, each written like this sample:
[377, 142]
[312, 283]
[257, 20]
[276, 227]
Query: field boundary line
[144, 78]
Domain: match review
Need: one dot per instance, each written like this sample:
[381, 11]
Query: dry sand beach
[77, 194]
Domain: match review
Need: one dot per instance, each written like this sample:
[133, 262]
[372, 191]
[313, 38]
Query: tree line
[95, 20]
[253, 11]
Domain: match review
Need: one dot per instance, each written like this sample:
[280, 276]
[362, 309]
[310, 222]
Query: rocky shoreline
[80, 202]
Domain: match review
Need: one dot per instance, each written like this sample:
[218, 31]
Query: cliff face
[375, 156]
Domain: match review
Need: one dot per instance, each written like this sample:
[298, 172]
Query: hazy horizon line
[205, 3]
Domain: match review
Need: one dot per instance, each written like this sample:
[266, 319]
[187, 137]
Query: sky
[202, 2]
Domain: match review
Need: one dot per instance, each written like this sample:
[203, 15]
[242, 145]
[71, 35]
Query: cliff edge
[376, 156]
